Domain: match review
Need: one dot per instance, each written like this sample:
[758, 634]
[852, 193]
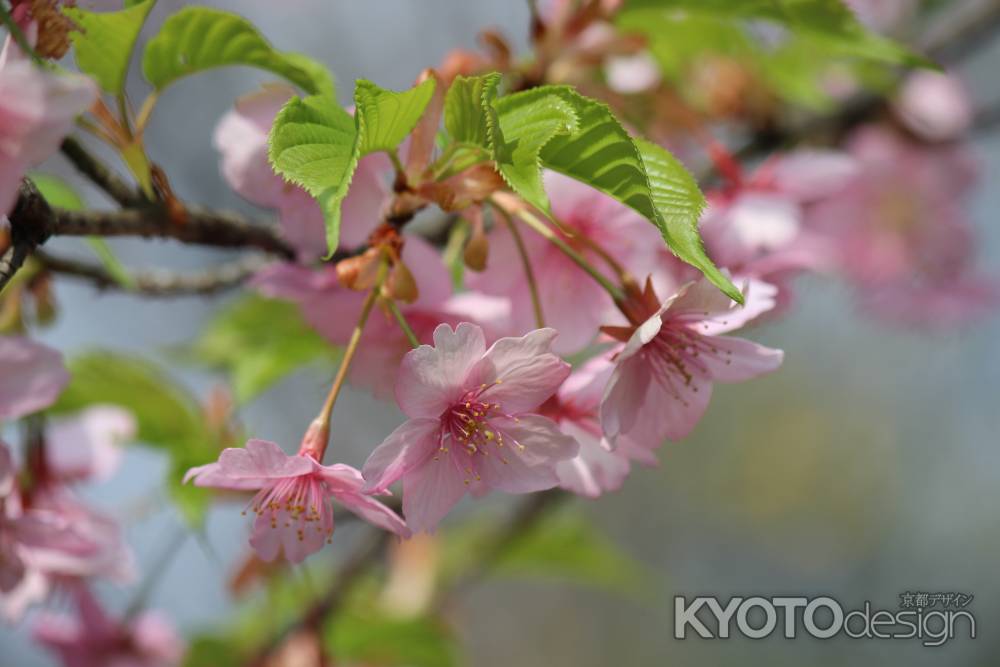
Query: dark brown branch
[100, 175]
[160, 283]
[333, 598]
[29, 228]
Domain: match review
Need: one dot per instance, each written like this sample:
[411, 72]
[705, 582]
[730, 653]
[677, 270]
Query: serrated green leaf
[373, 638]
[828, 21]
[524, 124]
[103, 45]
[680, 203]
[199, 38]
[258, 341]
[465, 108]
[315, 144]
[387, 117]
[637, 173]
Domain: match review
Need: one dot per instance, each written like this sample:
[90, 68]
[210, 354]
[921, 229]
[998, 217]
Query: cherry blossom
[935, 106]
[37, 109]
[599, 467]
[901, 236]
[473, 425]
[33, 376]
[92, 638]
[663, 377]
[294, 515]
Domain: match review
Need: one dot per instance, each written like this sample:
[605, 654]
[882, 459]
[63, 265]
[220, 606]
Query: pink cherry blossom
[333, 310]
[473, 424]
[293, 508]
[241, 138]
[48, 537]
[91, 638]
[37, 109]
[662, 381]
[33, 376]
[87, 446]
[755, 227]
[592, 217]
[901, 235]
[635, 73]
[935, 106]
[599, 467]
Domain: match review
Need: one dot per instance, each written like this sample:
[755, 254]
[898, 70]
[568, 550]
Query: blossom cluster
[574, 344]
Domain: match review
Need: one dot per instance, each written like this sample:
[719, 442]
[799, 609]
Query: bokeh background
[868, 466]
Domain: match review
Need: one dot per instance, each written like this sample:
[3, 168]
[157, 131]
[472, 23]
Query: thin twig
[29, 228]
[160, 283]
[100, 175]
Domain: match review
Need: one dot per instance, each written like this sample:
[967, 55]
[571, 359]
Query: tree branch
[100, 175]
[29, 228]
[161, 283]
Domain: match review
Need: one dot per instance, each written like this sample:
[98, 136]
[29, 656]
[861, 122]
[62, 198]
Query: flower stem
[403, 324]
[539, 226]
[529, 273]
[18, 35]
[322, 421]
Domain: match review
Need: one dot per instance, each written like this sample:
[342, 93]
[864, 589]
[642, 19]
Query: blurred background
[867, 467]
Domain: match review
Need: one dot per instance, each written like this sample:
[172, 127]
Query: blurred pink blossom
[663, 377]
[634, 73]
[87, 446]
[473, 424]
[33, 376]
[37, 109]
[901, 234]
[294, 493]
[91, 638]
[935, 106]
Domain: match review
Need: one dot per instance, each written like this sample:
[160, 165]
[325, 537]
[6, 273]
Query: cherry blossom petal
[624, 394]
[738, 359]
[520, 373]
[430, 491]
[33, 376]
[88, 445]
[537, 440]
[406, 448]
[431, 378]
[935, 105]
[595, 469]
[262, 459]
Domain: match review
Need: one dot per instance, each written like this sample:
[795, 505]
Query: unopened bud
[401, 285]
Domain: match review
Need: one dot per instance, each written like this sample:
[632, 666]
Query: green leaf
[56, 191]
[525, 123]
[315, 144]
[637, 173]
[466, 108]
[259, 341]
[829, 22]
[376, 639]
[103, 45]
[213, 651]
[679, 203]
[199, 38]
[386, 117]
